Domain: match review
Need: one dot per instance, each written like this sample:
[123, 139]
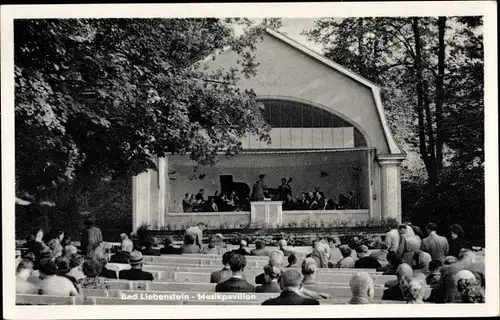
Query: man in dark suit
[225, 273]
[291, 284]
[236, 283]
[135, 273]
[436, 245]
[241, 250]
[168, 247]
[365, 261]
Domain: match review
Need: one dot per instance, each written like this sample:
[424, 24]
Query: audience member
[422, 260]
[189, 245]
[23, 273]
[196, 232]
[413, 290]
[362, 288]
[92, 269]
[63, 269]
[291, 283]
[275, 259]
[236, 283]
[225, 273]
[436, 245]
[469, 289]
[51, 284]
[149, 247]
[272, 275]
[321, 253]
[308, 271]
[260, 249]
[218, 241]
[392, 237]
[381, 255]
[408, 244]
[127, 245]
[393, 291]
[168, 247]
[75, 264]
[292, 260]
[434, 273]
[69, 249]
[54, 243]
[365, 261]
[135, 272]
[36, 245]
[456, 240]
[90, 237]
[449, 260]
[241, 250]
[282, 246]
[200, 198]
[394, 262]
[417, 231]
[347, 261]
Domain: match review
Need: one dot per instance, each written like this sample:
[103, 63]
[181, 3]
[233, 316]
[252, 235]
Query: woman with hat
[52, 284]
[135, 272]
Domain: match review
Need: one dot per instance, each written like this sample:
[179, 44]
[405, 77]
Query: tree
[101, 98]
[418, 61]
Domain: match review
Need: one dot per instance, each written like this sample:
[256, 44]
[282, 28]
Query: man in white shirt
[52, 284]
[392, 237]
[197, 233]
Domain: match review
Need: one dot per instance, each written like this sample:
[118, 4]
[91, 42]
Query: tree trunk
[439, 99]
[425, 151]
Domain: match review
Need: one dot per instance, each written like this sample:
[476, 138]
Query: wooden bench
[204, 277]
[197, 261]
[35, 299]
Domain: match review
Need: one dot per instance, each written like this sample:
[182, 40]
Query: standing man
[284, 189]
[436, 245]
[90, 237]
[197, 233]
[392, 237]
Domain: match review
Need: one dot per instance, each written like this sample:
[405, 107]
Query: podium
[270, 212]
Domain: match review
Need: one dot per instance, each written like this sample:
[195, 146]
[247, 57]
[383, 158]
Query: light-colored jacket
[392, 239]
[436, 245]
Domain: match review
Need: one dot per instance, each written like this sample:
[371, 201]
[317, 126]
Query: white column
[140, 200]
[390, 181]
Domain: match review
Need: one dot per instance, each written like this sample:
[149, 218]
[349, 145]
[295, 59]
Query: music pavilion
[328, 131]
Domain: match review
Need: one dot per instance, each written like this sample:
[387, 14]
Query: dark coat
[106, 273]
[90, 237]
[234, 285]
[221, 275]
[289, 298]
[170, 250]
[135, 274]
[367, 263]
[269, 288]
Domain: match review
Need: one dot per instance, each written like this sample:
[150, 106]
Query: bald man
[362, 288]
[291, 284]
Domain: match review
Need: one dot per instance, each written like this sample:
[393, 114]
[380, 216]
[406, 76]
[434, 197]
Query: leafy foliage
[104, 97]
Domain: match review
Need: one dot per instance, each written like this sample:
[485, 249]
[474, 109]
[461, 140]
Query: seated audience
[381, 254]
[63, 269]
[168, 247]
[75, 264]
[149, 247]
[436, 245]
[362, 288]
[347, 261]
[260, 249]
[54, 243]
[51, 284]
[393, 291]
[272, 275]
[291, 283]
[394, 262]
[69, 250]
[276, 260]
[210, 249]
[282, 246]
[236, 283]
[365, 261]
[23, 272]
[36, 245]
[218, 242]
[469, 289]
[422, 260]
[413, 290]
[434, 275]
[241, 250]
[135, 272]
[408, 244]
[292, 260]
[308, 271]
[321, 253]
[225, 273]
[449, 260]
[127, 244]
[92, 269]
[189, 245]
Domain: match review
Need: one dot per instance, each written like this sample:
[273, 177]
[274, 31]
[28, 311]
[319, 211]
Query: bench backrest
[35, 299]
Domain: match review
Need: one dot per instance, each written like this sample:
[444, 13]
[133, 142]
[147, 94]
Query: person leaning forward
[197, 233]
